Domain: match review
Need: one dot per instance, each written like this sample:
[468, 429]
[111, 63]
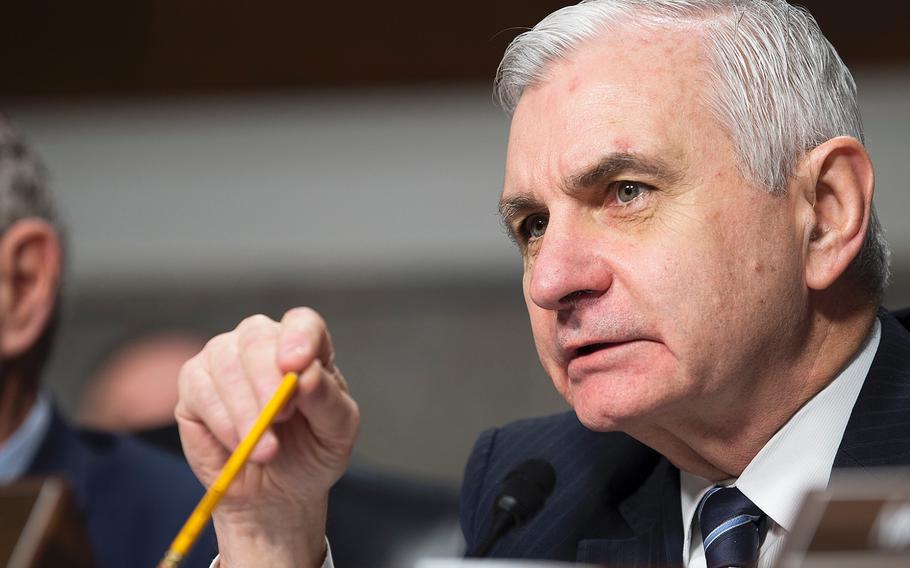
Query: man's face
[658, 281]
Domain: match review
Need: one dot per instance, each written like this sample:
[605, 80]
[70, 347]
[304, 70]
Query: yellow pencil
[203, 511]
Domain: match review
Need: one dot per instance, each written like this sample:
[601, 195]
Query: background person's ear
[30, 270]
[844, 181]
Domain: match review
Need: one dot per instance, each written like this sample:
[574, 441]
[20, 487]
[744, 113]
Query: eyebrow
[513, 207]
[608, 167]
[618, 163]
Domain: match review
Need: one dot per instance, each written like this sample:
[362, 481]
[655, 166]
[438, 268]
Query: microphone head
[525, 489]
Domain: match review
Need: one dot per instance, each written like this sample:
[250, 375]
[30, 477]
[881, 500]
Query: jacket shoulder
[903, 316]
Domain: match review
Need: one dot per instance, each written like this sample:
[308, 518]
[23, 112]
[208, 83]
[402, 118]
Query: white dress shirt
[18, 451]
[796, 460]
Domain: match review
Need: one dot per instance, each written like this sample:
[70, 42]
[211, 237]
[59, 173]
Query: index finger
[303, 338]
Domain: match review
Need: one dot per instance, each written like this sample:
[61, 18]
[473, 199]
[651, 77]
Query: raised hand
[274, 512]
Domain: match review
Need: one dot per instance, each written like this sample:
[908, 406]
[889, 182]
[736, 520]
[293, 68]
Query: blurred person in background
[133, 498]
[133, 387]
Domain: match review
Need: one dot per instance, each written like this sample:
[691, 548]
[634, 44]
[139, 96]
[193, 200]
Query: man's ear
[30, 268]
[843, 181]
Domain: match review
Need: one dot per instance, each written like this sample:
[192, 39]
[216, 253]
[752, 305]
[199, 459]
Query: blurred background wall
[220, 159]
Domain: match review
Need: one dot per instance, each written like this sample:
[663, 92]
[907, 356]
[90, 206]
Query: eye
[626, 191]
[535, 226]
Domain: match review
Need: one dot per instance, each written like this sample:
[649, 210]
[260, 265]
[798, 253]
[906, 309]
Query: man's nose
[569, 266]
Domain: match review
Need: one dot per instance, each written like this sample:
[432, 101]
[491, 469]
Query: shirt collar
[17, 453]
[799, 457]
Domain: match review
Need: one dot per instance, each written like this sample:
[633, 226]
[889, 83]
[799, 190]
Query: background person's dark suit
[134, 498]
[617, 501]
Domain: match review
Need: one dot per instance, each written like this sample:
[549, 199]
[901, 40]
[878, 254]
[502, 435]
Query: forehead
[637, 90]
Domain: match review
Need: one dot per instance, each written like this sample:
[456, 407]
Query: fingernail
[294, 351]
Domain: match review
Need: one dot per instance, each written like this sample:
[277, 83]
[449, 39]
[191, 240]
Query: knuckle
[221, 348]
[188, 369]
[222, 359]
[255, 332]
[220, 426]
[331, 363]
[340, 380]
[355, 415]
[257, 339]
[254, 322]
[351, 427]
[227, 372]
[192, 385]
[304, 317]
[217, 343]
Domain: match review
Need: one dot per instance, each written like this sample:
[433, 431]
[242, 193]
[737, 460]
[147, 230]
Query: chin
[615, 404]
[594, 414]
[597, 423]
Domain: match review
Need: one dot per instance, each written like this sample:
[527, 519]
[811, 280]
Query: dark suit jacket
[134, 498]
[617, 501]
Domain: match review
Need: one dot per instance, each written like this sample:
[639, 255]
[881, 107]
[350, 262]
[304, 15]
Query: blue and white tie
[732, 527]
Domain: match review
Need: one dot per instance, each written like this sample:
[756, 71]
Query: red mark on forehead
[574, 83]
[621, 145]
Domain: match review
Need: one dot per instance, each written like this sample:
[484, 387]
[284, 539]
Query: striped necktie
[732, 527]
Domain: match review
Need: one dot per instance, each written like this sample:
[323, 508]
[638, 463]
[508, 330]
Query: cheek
[731, 278]
[763, 252]
[543, 327]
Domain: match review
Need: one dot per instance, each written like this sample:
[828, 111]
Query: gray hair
[24, 194]
[779, 88]
[23, 181]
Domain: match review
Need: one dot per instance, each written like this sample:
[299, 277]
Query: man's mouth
[593, 347]
[603, 355]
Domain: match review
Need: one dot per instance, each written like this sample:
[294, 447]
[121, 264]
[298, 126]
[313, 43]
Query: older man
[133, 498]
[688, 188]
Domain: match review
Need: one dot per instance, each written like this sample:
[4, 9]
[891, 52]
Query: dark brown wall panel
[146, 47]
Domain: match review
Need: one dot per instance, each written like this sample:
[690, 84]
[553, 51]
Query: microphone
[523, 493]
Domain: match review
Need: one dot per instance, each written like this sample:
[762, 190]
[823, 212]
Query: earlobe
[30, 267]
[843, 183]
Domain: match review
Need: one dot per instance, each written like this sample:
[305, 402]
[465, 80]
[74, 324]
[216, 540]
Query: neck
[727, 435]
[16, 399]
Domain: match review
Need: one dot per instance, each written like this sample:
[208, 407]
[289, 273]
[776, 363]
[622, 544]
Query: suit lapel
[878, 433]
[654, 514]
